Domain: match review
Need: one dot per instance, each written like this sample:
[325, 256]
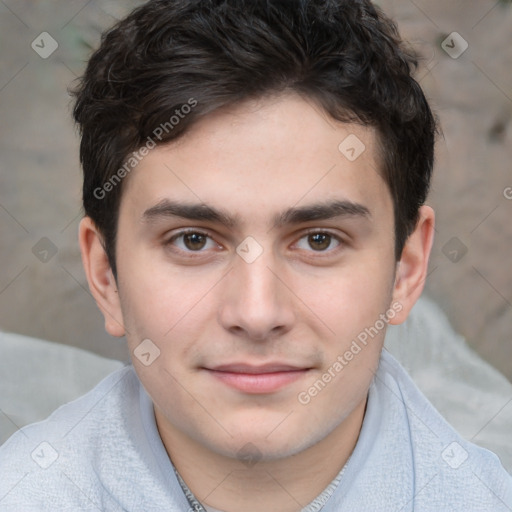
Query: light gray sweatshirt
[103, 452]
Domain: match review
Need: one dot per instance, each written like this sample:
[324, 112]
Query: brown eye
[194, 241]
[319, 241]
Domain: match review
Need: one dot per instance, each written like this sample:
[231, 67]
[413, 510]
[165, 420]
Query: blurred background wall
[466, 73]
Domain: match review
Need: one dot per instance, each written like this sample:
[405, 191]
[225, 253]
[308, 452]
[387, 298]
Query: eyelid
[304, 233]
[186, 231]
[312, 231]
[326, 231]
[182, 232]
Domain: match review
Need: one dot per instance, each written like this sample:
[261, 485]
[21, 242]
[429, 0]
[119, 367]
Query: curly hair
[346, 55]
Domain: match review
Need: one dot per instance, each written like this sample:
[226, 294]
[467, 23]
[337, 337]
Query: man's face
[252, 252]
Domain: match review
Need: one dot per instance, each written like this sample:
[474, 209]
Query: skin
[301, 302]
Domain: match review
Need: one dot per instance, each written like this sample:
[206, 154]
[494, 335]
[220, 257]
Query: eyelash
[188, 232]
[195, 254]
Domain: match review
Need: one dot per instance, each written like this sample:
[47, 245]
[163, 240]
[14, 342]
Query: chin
[264, 445]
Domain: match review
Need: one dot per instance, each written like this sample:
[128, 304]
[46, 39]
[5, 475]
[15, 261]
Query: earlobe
[413, 265]
[102, 283]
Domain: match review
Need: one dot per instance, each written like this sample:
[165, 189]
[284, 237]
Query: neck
[286, 484]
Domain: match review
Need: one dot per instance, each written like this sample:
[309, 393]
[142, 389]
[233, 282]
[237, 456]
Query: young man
[254, 182]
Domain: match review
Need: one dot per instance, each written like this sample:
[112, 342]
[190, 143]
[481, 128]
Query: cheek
[172, 321]
[351, 307]
[157, 298]
[351, 298]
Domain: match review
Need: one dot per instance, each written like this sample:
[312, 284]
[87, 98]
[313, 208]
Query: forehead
[260, 157]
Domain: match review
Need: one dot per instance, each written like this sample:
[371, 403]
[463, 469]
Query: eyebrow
[294, 215]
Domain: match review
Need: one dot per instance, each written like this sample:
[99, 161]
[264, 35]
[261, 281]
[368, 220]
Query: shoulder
[449, 471]
[45, 461]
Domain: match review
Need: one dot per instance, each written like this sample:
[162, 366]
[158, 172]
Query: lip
[260, 379]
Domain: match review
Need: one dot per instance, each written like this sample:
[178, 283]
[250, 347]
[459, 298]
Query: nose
[256, 303]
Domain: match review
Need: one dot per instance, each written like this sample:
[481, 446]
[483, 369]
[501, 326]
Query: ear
[412, 267]
[101, 280]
